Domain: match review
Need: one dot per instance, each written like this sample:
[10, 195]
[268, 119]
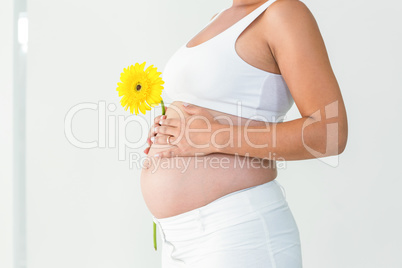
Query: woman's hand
[151, 133]
[189, 135]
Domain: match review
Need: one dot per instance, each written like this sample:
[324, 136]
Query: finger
[153, 133]
[152, 130]
[163, 140]
[167, 130]
[159, 139]
[158, 118]
[175, 122]
[168, 153]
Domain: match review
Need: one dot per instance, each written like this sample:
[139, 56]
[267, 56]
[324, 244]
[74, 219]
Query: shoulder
[288, 20]
[287, 7]
[284, 14]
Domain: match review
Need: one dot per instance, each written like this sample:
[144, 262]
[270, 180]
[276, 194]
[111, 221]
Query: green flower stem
[163, 107]
[155, 236]
[155, 247]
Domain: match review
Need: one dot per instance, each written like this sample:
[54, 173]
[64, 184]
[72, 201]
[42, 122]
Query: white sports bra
[213, 75]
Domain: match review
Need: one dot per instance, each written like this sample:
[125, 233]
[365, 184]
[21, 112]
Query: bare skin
[284, 39]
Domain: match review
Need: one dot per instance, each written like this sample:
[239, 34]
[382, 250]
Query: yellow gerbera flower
[140, 89]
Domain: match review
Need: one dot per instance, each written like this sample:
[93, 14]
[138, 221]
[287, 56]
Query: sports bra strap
[234, 31]
[243, 23]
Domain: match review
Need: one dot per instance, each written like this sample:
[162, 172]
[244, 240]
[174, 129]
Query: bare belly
[171, 186]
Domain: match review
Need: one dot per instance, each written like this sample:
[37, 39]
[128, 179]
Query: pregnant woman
[209, 181]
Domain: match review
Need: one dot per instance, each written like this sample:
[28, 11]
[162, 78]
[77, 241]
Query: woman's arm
[298, 47]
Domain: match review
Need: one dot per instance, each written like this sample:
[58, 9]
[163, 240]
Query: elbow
[337, 141]
[334, 147]
[328, 139]
[342, 145]
[342, 138]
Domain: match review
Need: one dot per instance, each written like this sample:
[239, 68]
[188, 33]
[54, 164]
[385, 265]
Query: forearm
[302, 138]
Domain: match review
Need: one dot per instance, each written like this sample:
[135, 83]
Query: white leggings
[252, 227]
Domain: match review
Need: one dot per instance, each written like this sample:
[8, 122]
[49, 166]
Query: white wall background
[85, 207]
[6, 138]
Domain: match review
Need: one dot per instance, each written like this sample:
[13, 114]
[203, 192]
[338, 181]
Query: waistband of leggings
[259, 196]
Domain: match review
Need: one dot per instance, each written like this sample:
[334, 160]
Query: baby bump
[171, 186]
[175, 185]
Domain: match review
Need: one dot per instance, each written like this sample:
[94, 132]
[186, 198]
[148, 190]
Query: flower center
[138, 87]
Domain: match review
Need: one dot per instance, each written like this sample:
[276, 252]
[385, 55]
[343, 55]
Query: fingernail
[160, 122]
[156, 129]
[185, 104]
[164, 117]
[156, 155]
[152, 139]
